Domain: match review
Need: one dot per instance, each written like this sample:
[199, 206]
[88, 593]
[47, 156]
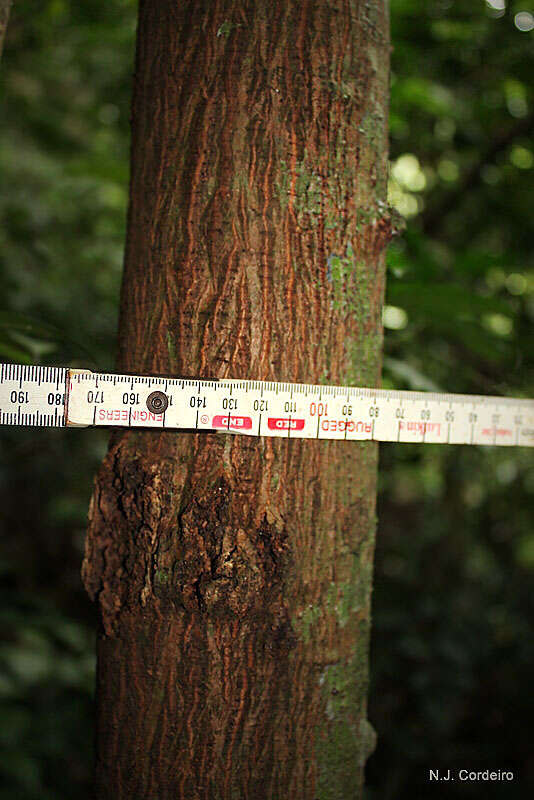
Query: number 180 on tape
[34, 395]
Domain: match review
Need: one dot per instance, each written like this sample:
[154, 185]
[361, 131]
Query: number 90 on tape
[261, 408]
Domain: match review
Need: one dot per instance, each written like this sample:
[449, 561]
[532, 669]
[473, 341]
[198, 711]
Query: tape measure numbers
[34, 395]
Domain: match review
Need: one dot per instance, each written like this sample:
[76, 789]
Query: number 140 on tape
[304, 411]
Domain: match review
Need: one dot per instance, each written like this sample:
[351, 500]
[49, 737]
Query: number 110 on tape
[258, 408]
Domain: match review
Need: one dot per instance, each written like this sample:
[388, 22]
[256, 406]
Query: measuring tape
[55, 396]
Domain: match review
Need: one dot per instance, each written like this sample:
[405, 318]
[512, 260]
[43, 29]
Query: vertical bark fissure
[233, 575]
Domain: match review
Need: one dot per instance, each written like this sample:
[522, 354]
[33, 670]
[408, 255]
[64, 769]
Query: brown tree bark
[233, 574]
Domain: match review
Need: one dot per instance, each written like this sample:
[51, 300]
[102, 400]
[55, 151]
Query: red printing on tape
[284, 424]
[221, 421]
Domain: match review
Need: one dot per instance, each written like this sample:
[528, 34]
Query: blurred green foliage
[452, 647]
[64, 141]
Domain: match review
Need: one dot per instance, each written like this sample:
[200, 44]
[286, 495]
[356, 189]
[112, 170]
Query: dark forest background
[452, 647]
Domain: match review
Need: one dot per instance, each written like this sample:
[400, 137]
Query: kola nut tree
[233, 574]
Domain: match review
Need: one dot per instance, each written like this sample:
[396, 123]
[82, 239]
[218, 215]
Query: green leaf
[447, 301]
[28, 336]
[410, 375]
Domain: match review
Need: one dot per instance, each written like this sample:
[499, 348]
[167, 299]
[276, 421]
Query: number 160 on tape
[304, 411]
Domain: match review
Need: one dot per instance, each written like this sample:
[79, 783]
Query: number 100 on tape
[303, 411]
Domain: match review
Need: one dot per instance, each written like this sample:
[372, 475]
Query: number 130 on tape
[298, 411]
[34, 395]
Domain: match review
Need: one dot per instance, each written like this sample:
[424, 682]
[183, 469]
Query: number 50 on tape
[34, 395]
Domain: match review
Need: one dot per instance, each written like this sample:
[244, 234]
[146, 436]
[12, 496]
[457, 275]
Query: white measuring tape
[33, 395]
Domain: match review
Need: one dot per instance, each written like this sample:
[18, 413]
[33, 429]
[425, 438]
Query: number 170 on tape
[304, 411]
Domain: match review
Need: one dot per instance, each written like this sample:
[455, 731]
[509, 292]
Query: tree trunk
[233, 574]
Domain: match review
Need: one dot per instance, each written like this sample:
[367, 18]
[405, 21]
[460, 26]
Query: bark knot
[219, 566]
